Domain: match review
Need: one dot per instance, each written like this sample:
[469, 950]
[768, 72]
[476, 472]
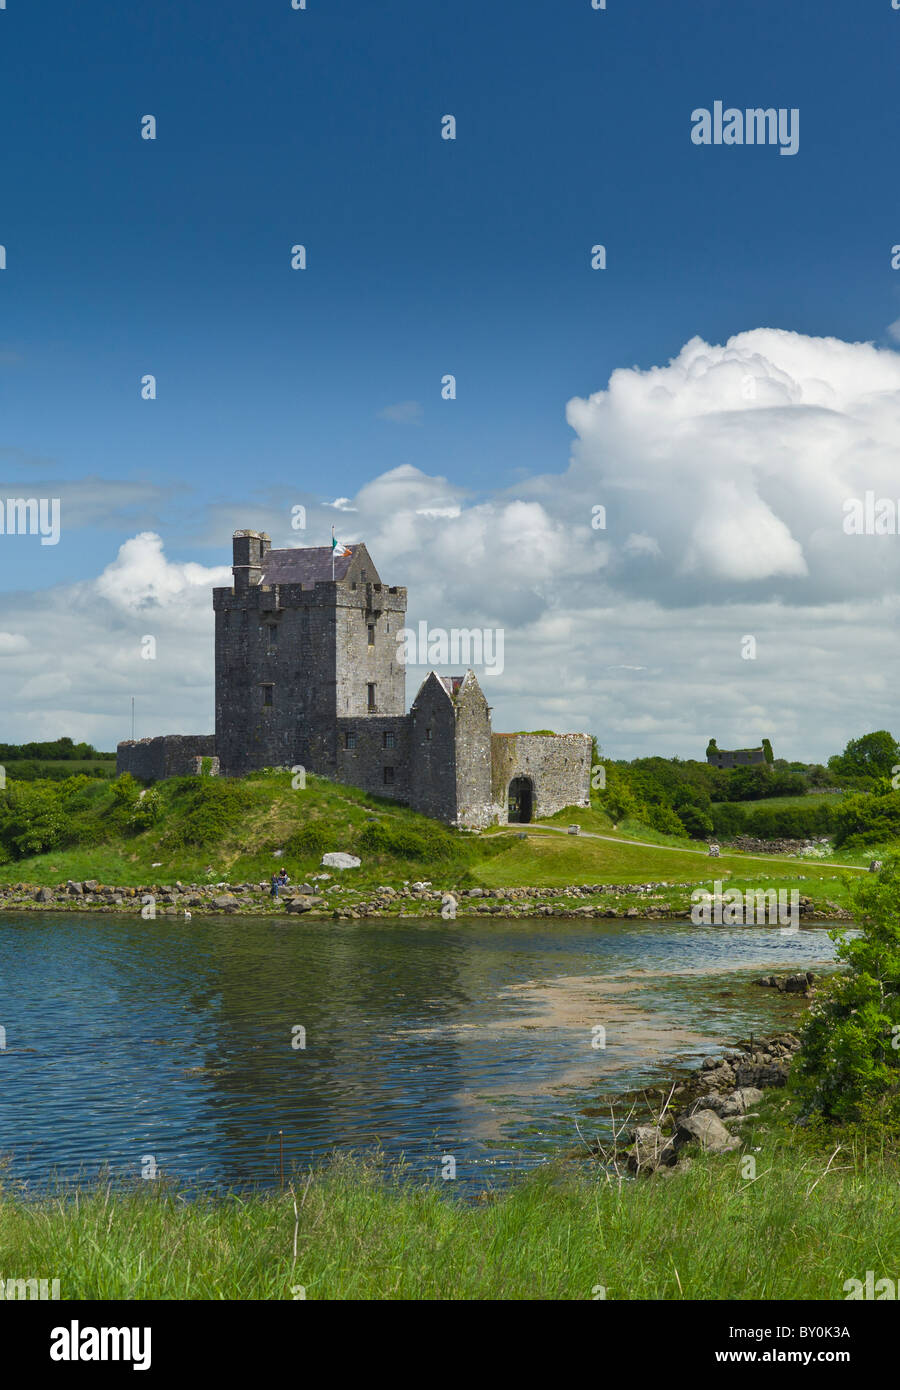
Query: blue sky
[425, 256]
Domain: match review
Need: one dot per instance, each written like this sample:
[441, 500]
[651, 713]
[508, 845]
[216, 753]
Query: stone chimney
[250, 549]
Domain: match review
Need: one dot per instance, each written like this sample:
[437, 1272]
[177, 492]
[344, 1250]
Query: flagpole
[332, 554]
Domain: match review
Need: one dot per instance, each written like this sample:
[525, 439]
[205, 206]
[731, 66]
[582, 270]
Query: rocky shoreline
[696, 1111]
[323, 896]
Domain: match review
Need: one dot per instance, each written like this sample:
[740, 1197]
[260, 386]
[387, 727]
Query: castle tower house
[298, 650]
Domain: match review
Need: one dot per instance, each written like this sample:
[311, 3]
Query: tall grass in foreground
[806, 1224]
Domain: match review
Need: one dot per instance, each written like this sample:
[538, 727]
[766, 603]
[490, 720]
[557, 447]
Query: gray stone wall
[363, 764]
[473, 757]
[558, 766]
[169, 755]
[432, 747]
[740, 757]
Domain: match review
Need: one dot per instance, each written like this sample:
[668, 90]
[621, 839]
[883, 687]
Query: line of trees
[697, 800]
[56, 750]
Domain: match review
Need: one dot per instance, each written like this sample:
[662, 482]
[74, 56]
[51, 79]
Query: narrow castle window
[427, 735]
[389, 738]
[388, 776]
[371, 634]
[349, 739]
[267, 691]
[371, 696]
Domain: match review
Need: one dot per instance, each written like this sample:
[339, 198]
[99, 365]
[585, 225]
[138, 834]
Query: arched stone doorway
[520, 805]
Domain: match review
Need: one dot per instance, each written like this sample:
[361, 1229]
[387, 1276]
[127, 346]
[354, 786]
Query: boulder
[738, 1102]
[706, 1129]
[338, 860]
[302, 902]
[43, 895]
[761, 1072]
[225, 902]
[651, 1150]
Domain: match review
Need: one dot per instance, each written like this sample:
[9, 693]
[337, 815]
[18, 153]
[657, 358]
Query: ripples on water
[127, 1038]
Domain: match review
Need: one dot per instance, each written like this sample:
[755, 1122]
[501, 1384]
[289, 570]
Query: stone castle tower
[308, 675]
[297, 651]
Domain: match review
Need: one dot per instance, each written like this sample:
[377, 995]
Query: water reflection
[128, 1038]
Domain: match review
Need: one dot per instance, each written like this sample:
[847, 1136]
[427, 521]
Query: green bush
[430, 844]
[125, 789]
[867, 820]
[664, 819]
[311, 841]
[696, 821]
[850, 1042]
[146, 810]
[32, 818]
[206, 809]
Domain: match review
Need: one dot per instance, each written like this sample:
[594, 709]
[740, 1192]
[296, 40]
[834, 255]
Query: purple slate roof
[304, 565]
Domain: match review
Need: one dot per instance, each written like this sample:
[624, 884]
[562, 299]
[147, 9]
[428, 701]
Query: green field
[210, 830]
[784, 803]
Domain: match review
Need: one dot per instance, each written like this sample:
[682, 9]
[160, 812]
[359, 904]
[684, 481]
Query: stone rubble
[320, 896]
[722, 1091]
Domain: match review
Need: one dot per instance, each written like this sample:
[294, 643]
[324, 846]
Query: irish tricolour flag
[336, 547]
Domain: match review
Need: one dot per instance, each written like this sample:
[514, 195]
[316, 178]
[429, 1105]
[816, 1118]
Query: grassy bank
[799, 1230]
[206, 830]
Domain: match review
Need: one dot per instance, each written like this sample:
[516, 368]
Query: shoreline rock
[721, 1091]
[341, 901]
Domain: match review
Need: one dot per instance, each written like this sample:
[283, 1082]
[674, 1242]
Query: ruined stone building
[736, 757]
[308, 675]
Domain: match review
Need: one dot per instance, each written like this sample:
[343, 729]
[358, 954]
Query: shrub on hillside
[146, 811]
[664, 819]
[697, 822]
[206, 810]
[849, 1058]
[310, 841]
[32, 818]
[729, 820]
[426, 844]
[867, 820]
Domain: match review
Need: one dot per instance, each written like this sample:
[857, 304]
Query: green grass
[796, 1231]
[210, 830]
[783, 803]
[546, 858]
[234, 833]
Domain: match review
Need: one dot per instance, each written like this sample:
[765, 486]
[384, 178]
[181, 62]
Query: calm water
[126, 1038]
